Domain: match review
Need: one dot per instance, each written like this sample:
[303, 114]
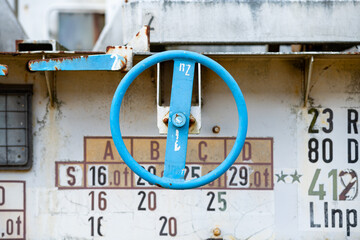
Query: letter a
[108, 151]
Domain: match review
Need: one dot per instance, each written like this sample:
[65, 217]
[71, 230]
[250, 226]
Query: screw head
[216, 232]
[216, 129]
[178, 119]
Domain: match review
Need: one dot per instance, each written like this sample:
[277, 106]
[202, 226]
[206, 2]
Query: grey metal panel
[2, 103]
[16, 137]
[10, 28]
[236, 22]
[16, 120]
[2, 120]
[2, 155]
[16, 103]
[17, 155]
[2, 137]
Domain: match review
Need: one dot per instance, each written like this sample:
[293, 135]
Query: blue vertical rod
[180, 106]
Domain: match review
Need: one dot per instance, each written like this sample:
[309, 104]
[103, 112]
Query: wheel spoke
[178, 125]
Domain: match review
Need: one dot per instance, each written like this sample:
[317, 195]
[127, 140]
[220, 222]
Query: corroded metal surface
[141, 41]
[111, 62]
[3, 70]
[124, 51]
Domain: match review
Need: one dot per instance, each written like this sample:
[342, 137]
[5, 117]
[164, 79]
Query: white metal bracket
[50, 84]
[163, 111]
[308, 73]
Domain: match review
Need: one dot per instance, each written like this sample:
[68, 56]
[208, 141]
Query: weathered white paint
[11, 29]
[273, 89]
[237, 21]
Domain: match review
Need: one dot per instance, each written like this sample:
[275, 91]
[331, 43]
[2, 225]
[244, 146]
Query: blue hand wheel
[178, 125]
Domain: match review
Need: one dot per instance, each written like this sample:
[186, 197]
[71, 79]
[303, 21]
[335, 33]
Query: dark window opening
[80, 31]
[15, 127]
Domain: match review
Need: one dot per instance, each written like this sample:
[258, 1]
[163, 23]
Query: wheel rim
[115, 116]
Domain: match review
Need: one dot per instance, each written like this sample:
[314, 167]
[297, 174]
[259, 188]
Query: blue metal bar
[179, 115]
[3, 70]
[110, 62]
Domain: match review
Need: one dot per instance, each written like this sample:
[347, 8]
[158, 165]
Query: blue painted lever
[179, 116]
[176, 144]
[111, 62]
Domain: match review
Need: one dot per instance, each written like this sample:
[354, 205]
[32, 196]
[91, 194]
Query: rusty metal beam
[111, 62]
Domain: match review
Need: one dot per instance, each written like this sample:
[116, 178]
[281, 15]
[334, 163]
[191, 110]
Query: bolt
[216, 129]
[217, 232]
[166, 120]
[178, 119]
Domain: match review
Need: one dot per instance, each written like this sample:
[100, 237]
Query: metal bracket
[141, 41]
[163, 111]
[116, 57]
[3, 70]
[308, 74]
[50, 84]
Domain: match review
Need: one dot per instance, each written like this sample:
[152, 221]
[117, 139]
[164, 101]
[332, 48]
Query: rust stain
[5, 71]
[353, 53]
[17, 42]
[109, 47]
[147, 31]
[123, 63]
[59, 60]
[148, 35]
[192, 121]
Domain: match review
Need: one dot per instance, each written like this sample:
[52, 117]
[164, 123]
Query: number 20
[172, 226]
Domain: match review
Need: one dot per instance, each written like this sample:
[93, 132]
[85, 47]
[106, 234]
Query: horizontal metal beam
[237, 22]
[111, 62]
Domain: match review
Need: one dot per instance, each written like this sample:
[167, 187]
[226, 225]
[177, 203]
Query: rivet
[216, 129]
[217, 232]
